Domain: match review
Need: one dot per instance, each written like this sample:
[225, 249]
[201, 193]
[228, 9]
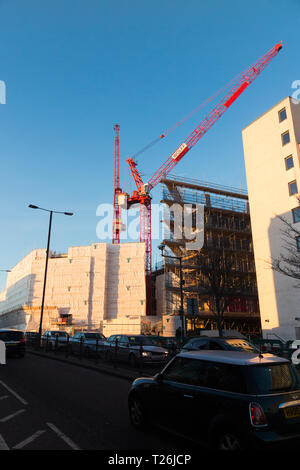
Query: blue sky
[73, 68]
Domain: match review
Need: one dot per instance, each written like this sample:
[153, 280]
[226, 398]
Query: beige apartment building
[272, 158]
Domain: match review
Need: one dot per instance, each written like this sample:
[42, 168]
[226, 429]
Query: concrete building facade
[272, 158]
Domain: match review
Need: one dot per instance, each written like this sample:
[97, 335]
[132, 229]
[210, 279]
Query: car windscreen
[272, 378]
[138, 340]
[59, 333]
[94, 336]
[11, 335]
[197, 344]
[111, 339]
[241, 345]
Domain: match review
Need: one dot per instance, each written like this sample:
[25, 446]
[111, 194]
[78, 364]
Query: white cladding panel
[92, 283]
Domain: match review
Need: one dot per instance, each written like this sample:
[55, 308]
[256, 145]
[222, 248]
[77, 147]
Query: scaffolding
[227, 227]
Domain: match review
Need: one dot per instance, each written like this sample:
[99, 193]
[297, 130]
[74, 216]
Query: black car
[14, 341]
[217, 343]
[228, 400]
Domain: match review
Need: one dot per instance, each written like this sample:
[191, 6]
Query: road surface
[49, 405]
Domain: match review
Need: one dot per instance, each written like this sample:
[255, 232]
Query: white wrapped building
[101, 286]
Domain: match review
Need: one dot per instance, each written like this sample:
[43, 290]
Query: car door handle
[188, 396]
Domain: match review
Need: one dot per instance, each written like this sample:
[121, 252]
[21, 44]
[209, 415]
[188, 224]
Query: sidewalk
[103, 367]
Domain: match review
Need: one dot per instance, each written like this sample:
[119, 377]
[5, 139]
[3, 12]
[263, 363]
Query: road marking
[29, 440]
[63, 437]
[14, 393]
[3, 445]
[3, 397]
[7, 418]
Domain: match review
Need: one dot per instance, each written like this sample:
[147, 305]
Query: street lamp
[51, 212]
[181, 309]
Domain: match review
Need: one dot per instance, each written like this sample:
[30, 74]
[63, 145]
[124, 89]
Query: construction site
[96, 287]
[227, 234]
[112, 287]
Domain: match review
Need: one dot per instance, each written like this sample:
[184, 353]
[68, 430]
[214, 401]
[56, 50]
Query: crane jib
[236, 94]
[182, 149]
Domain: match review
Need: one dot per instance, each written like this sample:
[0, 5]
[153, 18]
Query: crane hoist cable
[189, 115]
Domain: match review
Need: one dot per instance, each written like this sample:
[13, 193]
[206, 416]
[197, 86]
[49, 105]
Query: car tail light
[22, 340]
[257, 415]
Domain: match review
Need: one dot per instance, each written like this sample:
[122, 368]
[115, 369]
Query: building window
[296, 215]
[293, 188]
[285, 137]
[298, 243]
[289, 162]
[282, 115]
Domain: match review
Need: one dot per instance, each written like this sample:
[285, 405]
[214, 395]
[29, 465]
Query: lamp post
[181, 309]
[51, 212]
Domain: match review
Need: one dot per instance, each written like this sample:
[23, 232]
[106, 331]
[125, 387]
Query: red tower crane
[117, 189]
[142, 194]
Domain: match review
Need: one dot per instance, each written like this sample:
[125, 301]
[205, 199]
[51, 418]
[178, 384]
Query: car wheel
[228, 439]
[136, 413]
[132, 360]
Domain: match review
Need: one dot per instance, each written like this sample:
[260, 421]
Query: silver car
[87, 342]
[55, 339]
[133, 349]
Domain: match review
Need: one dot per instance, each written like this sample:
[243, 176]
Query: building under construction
[227, 231]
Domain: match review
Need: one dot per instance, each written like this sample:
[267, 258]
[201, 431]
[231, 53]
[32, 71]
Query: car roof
[94, 332]
[56, 331]
[91, 333]
[11, 329]
[216, 338]
[234, 357]
[135, 336]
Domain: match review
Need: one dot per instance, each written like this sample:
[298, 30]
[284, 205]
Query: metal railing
[114, 355]
[193, 197]
[206, 184]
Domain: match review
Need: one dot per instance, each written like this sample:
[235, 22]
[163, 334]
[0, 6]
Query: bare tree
[288, 263]
[218, 280]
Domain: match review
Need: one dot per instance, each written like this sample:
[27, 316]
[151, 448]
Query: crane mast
[142, 194]
[117, 189]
